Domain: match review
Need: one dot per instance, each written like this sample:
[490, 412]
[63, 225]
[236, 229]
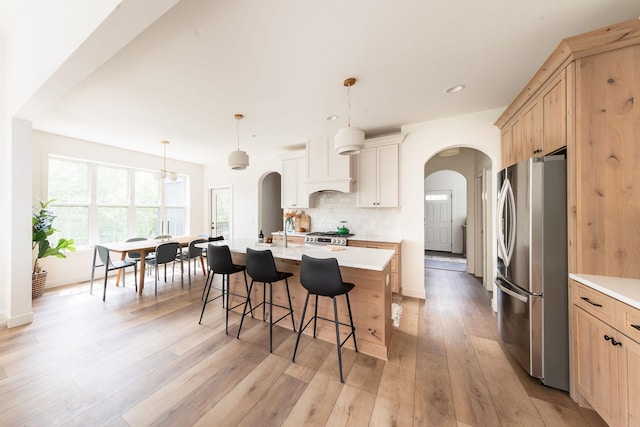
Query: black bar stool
[321, 277]
[220, 262]
[262, 268]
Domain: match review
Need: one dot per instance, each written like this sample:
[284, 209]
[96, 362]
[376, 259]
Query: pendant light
[238, 160]
[163, 173]
[349, 140]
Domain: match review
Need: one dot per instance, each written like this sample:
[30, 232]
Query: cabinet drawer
[628, 320]
[594, 302]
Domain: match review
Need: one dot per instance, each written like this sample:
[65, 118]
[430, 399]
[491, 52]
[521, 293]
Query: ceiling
[282, 63]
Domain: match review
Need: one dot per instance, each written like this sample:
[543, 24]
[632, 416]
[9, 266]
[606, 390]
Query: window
[432, 197]
[97, 203]
[69, 186]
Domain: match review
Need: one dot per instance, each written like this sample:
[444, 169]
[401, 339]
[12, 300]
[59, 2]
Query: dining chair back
[101, 253]
[193, 253]
[164, 254]
[322, 277]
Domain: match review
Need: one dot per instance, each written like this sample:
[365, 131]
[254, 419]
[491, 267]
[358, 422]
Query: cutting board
[303, 222]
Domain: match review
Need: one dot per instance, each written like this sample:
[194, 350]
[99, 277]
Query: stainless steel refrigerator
[532, 279]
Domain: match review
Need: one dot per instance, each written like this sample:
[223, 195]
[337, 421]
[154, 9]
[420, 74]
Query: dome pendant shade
[349, 141]
[238, 160]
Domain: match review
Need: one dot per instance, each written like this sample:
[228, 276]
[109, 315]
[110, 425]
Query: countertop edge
[623, 289]
[352, 257]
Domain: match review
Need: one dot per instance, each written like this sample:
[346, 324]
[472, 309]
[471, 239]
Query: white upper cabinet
[294, 174]
[378, 172]
[328, 170]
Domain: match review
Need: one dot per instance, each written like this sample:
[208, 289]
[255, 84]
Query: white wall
[244, 183]
[77, 266]
[457, 184]
[422, 142]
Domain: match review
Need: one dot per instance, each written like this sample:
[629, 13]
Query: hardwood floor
[138, 361]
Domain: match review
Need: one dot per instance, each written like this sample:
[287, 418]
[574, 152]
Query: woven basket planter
[38, 280]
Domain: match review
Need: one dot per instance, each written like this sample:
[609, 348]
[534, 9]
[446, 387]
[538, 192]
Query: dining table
[145, 247]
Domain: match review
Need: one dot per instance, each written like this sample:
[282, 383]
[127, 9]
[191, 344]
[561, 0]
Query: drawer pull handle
[613, 341]
[595, 304]
[636, 327]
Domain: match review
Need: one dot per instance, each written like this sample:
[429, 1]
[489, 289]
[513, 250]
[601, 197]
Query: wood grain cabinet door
[532, 131]
[629, 382]
[597, 364]
[554, 115]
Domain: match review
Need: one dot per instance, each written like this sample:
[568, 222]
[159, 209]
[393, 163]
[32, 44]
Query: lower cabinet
[396, 277]
[607, 355]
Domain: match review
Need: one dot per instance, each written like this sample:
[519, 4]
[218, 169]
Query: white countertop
[625, 290]
[364, 258]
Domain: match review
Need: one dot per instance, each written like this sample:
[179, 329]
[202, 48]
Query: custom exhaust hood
[328, 170]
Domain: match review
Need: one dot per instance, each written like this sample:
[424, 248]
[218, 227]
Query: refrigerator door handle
[506, 243]
[502, 251]
[511, 204]
[511, 292]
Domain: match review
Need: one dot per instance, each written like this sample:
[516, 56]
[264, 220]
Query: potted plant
[42, 229]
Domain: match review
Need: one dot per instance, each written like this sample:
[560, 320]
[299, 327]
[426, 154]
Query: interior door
[437, 221]
[221, 212]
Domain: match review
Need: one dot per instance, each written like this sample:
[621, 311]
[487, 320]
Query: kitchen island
[368, 269]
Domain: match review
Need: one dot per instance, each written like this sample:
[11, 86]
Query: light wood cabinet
[532, 130]
[396, 275]
[294, 173]
[540, 128]
[554, 116]
[607, 359]
[378, 175]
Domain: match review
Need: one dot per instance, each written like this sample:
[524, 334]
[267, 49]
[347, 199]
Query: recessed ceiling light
[456, 88]
[332, 117]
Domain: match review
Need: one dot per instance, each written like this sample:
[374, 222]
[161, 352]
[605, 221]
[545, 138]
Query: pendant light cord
[164, 159]
[349, 104]
[238, 134]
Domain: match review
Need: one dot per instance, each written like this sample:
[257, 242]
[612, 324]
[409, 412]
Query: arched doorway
[474, 168]
[269, 206]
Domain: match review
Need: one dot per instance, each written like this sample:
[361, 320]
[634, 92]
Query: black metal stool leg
[206, 300]
[353, 328]
[286, 283]
[270, 317]
[226, 291]
[244, 310]
[301, 328]
[315, 318]
[335, 313]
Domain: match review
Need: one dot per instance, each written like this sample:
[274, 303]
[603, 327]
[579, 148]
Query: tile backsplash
[328, 208]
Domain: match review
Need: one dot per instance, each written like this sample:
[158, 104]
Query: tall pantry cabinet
[586, 96]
